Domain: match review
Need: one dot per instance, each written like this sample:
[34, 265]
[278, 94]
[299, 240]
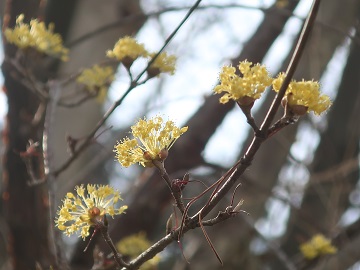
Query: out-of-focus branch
[135, 17]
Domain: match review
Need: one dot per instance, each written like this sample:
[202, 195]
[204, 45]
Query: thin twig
[176, 194]
[103, 227]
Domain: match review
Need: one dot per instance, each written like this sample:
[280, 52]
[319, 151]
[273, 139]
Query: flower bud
[147, 155]
[163, 154]
[153, 72]
[93, 212]
[127, 61]
[246, 101]
[299, 110]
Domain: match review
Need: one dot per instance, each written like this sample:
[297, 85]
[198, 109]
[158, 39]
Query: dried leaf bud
[237, 208]
[169, 224]
[163, 154]
[177, 185]
[186, 177]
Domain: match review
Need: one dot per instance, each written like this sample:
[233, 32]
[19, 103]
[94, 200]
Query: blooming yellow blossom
[36, 35]
[127, 47]
[318, 245]
[79, 212]
[305, 93]
[252, 84]
[164, 63]
[152, 139]
[133, 245]
[97, 80]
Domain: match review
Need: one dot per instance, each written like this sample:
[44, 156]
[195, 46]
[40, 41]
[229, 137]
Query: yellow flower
[155, 138]
[305, 93]
[133, 245]
[318, 245]
[252, 84]
[36, 35]
[80, 211]
[127, 47]
[97, 80]
[164, 63]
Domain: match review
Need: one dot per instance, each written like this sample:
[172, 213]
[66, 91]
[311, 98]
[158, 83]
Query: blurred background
[302, 182]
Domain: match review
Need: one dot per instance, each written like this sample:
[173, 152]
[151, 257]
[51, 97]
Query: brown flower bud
[246, 101]
[93, 212]
[127, 62]
[153, 72]
[299, 110]
[163, 154]
[147, 155]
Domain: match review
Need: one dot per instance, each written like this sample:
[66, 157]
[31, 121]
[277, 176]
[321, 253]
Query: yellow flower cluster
[133, 245]
[127, 47]
[252, 84]
[80, 211]
[318, 245]
[127, 50]
[164, 63]
[152, 139]
[36, 35]
[305, 93]
[97, 80]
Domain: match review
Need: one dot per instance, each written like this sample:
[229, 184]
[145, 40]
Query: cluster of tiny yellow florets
[305, 93]
[133, 245]
[164, 63]
[318, 245]
[255, 79]
[127, 50]
[37, 36]
[80, 211]
[127, 47]
[252, 83]
[97, 80]
[152, 139]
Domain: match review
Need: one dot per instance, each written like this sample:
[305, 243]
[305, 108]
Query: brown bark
[25, 208]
